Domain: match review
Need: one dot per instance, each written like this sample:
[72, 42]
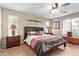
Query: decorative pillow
[32, 32]
[42, 32]
[35, 33]
[27, 33]
[38, 33]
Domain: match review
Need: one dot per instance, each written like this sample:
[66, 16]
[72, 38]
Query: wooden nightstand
[12, 41]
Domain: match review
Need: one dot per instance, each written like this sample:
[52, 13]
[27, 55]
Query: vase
[13, 32]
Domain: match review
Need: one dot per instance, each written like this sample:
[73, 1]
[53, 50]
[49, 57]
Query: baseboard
[0, 47]
[3, 47]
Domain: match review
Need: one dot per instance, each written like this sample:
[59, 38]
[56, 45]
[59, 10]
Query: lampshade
[13, 26]
[47, 24]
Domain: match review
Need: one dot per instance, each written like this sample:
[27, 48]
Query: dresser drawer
[9, 39]
[17, 37]
[12, 41]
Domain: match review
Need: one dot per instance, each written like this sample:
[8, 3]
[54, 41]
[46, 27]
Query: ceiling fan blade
[49, 12]
[63, 11]
[65, 4]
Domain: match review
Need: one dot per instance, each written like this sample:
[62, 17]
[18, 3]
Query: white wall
[59, 31]
[22, 21]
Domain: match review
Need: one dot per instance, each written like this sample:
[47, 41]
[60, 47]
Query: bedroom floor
[24, 50]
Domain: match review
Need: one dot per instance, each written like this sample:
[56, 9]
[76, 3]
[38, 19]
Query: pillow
[38, 33]
[27, 33]
[31, 33]
[42, 32]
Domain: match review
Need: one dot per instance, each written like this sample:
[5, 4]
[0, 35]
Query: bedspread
[43, 43]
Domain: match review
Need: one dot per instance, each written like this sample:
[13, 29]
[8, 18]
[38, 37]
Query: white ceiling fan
[57, 7]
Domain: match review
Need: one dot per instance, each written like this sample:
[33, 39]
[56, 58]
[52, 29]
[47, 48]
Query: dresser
[71, 39]
[12, 41]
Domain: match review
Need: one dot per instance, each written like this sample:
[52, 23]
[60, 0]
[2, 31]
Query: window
[66, 26]
[71, 25]
[75, 27]
[12, 20]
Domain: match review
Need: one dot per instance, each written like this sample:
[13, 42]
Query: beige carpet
[24, 50]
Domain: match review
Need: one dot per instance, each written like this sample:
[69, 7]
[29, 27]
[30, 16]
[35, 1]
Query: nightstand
[12, 41]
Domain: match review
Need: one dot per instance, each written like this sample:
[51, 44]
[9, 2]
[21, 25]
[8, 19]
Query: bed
[40, 42]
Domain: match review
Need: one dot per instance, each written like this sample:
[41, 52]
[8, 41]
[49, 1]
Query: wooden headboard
[28, 29]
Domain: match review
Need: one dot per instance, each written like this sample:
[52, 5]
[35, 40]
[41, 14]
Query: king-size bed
[41, 42]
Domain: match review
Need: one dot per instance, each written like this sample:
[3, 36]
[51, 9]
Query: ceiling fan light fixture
[55, 10]
[54, 5]
[49, 7]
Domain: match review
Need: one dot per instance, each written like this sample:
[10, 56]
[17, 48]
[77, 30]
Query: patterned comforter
[42, 43]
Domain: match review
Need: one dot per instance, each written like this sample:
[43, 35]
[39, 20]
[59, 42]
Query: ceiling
[41, 9]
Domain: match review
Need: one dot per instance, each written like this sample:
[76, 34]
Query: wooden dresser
[12, 41]
[71, 39]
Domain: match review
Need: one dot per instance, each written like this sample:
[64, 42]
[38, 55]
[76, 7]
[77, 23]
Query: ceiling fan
[57, 7]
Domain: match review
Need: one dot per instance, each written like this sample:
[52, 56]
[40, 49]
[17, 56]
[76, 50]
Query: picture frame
[56, 25]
